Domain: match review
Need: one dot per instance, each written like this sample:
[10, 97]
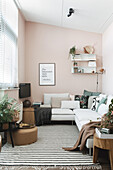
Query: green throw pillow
[96, 93]
[103, 101]
[87, 93]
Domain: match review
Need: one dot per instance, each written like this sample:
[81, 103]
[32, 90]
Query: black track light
[71, 11]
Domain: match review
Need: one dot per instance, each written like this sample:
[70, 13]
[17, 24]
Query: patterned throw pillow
[95, 103]
[83, 101]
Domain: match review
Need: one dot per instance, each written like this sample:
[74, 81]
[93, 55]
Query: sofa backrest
[48, 96]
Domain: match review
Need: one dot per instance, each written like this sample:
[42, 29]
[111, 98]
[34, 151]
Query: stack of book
[37, 103]
[103, 134]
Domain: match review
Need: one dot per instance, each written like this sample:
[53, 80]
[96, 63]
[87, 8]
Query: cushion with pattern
[83, 101]
[95, 103]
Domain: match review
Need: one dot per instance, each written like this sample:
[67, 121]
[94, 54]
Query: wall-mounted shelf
[83, 63]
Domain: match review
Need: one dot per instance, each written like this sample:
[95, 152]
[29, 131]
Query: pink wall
[107, 49]
[51, 44]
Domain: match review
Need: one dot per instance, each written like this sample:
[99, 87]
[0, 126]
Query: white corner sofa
[70, 110]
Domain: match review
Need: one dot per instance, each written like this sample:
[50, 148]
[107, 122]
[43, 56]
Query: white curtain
[8, 44]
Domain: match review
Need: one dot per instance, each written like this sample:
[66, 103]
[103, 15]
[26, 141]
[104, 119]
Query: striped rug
[47, 151]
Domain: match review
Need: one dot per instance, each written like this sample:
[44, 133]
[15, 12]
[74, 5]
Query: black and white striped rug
[47, 151]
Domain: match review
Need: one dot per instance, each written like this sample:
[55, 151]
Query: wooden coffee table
[103, 144]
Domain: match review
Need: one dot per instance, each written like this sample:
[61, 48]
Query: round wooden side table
[103, 144]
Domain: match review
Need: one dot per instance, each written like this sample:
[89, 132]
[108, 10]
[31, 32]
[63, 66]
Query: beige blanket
[86, 131]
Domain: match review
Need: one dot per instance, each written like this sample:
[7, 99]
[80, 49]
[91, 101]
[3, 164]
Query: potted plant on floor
[7, 111]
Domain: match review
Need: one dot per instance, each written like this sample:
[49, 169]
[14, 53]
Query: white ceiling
[90, 15]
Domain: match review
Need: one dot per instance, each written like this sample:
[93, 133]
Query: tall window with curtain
[8, 44]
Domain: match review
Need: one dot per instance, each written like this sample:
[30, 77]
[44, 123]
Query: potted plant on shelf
[72, 51]
[7, 111]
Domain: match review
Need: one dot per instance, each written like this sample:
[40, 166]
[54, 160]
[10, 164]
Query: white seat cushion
[62, 112]
[62, 117]
[86, 114]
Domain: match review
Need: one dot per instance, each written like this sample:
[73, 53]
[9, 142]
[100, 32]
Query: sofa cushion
[70, 104]
[90, 101]
[47, 96]
[86, 114]
[96, 93]
[109, 98]
[83, 116]
[103, 109]
[102, 96]
[62, 112]
[89, 93]
[83, 101]
[102, 101]
[95, 103]
[56, 101]
[72, 97]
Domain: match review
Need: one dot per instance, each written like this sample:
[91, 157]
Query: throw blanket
[86, 131]
[42, 115]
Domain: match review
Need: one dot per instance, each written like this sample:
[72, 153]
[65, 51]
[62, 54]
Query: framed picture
[47, 74]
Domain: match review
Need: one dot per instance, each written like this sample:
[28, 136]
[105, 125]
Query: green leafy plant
[72, 51]
[7, 109]
[107, 119]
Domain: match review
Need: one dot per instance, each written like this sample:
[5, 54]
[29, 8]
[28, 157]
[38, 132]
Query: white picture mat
[47, 74]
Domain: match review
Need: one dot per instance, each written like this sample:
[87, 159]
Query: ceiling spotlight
[71, 11]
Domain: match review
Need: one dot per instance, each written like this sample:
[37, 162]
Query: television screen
[24, 90]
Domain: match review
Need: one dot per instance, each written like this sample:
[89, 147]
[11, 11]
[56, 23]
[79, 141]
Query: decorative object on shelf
[8, 113]
[47, 74]
[75, 64]
[89, 49]
[73, 51]
[102, 70]
[26, 103]
[92, 64]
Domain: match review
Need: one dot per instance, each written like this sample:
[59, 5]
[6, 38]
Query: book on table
[37, 103]
[103, 135]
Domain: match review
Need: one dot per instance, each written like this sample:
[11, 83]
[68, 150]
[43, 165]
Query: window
[8, 44]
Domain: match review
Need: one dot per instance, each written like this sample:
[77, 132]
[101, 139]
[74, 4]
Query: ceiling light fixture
[71, 11]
